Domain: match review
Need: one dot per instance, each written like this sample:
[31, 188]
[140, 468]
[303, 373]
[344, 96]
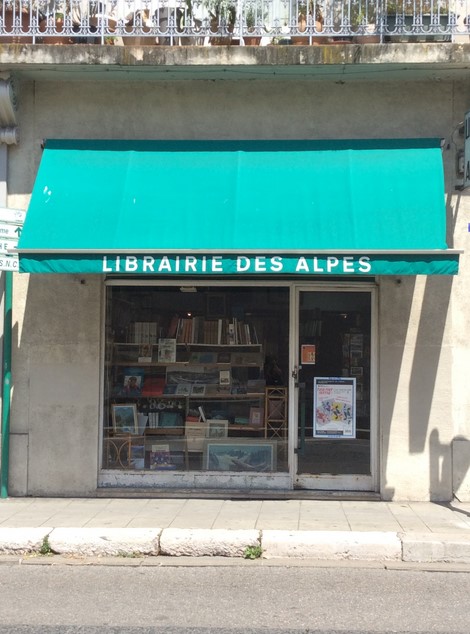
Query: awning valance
[222, 207]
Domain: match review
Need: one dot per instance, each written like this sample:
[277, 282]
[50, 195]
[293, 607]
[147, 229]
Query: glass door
[334, 382]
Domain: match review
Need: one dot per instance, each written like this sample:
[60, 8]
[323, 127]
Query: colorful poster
[307, 355]
[334, 407]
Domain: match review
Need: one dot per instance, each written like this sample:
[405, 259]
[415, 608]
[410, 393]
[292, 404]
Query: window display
[195, 378]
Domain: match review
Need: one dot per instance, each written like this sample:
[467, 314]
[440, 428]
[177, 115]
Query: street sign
[15, 216]
[10, 231]
[11, 224]
[7, 245]
[9, 263]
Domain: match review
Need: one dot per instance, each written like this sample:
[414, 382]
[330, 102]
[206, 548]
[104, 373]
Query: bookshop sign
[411, 263]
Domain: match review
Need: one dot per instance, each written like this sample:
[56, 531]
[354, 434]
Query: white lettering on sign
[217, 264]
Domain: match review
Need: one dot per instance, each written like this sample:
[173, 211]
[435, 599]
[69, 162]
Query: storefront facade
[217, 339]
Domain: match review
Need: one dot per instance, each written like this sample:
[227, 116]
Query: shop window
[195, 379]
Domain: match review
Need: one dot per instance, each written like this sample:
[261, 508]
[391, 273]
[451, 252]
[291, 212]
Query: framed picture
[183, 389]
[240, 455]
[124, 418]
[195, 436]
[307, 354]
[256, 416]
[217, 428]
[198, 390]
[225, 377]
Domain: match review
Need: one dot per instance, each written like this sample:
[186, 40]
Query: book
[225, 377]
[145, 353]
[172, 328]
[153, 386]
[167, 351]
[132, 385]
[160, 457]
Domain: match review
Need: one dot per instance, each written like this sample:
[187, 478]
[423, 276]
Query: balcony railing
[244, 22]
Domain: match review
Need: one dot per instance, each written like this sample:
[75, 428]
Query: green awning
[222, 207]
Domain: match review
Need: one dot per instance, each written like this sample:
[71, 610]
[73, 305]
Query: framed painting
[240, 455]
[256, 416]
[217, 428]
[124, 418]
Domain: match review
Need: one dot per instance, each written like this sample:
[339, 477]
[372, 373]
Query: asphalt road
[230, 600]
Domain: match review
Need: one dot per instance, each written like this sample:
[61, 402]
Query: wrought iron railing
[248, 22]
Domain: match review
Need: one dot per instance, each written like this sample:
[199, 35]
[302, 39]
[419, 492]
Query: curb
[367, 546]
[105, 542]
[333, 545]
[436, 548]
[21, 541]
[212, 542]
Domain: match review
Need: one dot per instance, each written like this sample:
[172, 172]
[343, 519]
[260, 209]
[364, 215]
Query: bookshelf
[216, 381]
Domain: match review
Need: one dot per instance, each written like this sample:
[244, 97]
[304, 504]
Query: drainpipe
[8, 136]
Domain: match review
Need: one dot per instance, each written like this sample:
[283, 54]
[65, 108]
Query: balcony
[179, 23]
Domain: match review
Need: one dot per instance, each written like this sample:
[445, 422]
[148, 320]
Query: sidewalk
[422, 532]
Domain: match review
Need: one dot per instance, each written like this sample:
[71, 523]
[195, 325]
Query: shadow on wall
[428, 350]
[424, 373]
[398, 307]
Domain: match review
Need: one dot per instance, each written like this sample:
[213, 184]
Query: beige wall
[424, 350]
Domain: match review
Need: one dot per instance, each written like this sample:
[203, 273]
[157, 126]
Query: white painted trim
[248, 481]
[234, 252]
[194, 479]
[334, 483]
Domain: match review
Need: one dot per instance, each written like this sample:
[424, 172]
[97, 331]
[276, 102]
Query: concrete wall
[424, 350]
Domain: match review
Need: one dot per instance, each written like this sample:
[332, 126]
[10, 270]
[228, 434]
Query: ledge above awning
[222, 207]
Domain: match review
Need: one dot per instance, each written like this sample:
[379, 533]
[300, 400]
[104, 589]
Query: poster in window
[334, 407]
[307, 356]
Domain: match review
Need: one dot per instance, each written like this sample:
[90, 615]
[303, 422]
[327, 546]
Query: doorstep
[231, 494]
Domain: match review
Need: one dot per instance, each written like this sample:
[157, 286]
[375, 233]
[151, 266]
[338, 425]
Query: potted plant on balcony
[309, 15]
[222, 17]
[364, 23]
[255, 15]
[137, 24]
[53, 26]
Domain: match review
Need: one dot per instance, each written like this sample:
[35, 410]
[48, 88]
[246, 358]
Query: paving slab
[429, 533]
